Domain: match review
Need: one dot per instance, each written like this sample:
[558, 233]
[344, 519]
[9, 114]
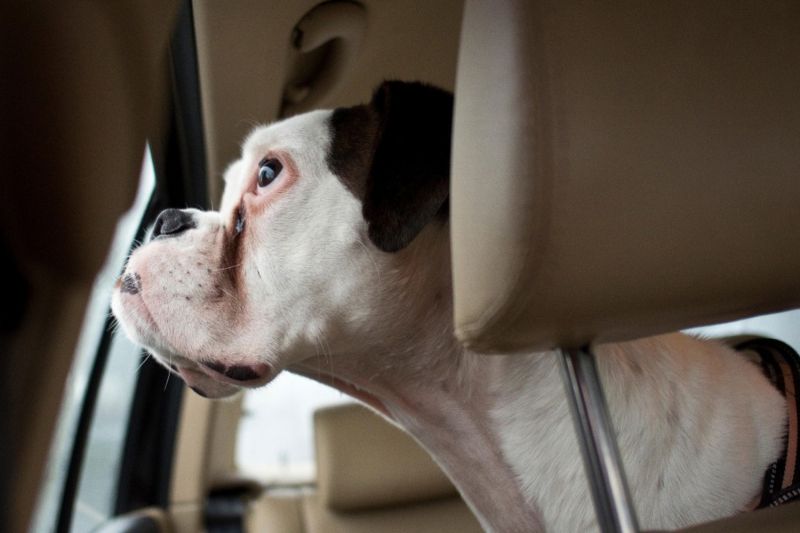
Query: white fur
[697, 423]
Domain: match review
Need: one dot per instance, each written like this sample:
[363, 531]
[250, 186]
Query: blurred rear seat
[371, 477]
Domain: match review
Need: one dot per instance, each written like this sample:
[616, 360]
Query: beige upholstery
[84, 84]
[364, 462]
[301, 514]
[623, 170]
[372, 477]
[282, 511]
[245, 57]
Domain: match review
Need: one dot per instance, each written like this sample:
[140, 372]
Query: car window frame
[145, 473]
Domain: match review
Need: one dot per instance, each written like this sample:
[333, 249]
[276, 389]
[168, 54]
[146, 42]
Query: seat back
[84, 85]
[623, 170]
[371, 477]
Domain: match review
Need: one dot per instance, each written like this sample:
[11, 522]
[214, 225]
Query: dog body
[329, 257]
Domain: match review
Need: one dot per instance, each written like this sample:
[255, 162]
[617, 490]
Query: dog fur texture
[339, 270]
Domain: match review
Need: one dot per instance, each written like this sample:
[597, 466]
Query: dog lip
[242, 373]
[237, 374]
[215, 366]
[198, 391]
[205, 385]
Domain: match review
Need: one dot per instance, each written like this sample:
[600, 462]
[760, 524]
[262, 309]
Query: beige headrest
[623, 170]
[364, 462]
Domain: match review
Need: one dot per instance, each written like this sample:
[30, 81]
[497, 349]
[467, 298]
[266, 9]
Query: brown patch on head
[394, 156]
[354, 137]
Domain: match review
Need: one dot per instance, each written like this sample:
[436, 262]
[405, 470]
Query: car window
[275, 437]
[97, 490]
[780, 326]
[96, 493]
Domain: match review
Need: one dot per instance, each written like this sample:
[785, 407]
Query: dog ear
[394, 154]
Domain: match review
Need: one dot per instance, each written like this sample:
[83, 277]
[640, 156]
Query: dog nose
[173, 222]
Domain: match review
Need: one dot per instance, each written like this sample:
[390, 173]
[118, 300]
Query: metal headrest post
[601, 459]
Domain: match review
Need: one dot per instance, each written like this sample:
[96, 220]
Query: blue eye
[268, 171]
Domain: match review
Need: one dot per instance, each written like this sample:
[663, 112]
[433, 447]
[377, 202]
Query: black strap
[781, 365]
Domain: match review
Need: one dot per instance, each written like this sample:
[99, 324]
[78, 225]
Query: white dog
[330, 258]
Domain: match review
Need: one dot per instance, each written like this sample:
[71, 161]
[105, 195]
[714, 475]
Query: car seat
[621, 171]
[371, 477]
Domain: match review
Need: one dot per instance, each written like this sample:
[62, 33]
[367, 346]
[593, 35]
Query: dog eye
[268, 171]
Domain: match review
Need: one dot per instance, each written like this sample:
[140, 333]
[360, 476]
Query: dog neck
[413, 371]
[443, 400]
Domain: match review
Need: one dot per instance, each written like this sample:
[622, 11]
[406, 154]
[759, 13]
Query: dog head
[313, 245]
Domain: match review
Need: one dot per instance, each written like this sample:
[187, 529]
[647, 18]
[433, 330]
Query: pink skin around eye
[256, 198]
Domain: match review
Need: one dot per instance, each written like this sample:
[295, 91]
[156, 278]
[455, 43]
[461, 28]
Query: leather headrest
[364, 462]
[625, 170]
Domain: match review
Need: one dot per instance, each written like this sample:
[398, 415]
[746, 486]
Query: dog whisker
[169, 374]
[226, 268]
[114, 325]
[144, 360]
